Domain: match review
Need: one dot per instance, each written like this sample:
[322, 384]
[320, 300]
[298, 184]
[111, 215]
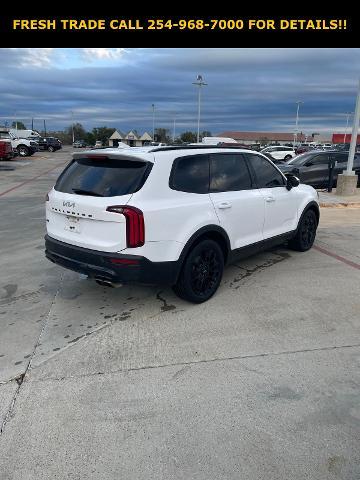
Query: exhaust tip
[107, 283]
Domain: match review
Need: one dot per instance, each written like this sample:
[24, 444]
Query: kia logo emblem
[69, 204]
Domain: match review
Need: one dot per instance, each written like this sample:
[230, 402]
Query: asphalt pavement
[260, 382]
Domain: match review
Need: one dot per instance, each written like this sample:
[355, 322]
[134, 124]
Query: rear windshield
[103, 177]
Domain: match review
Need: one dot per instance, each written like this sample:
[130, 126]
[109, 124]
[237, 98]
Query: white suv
[279, 152]
[173, 215]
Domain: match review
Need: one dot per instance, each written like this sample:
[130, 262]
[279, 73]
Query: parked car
[23, 146]
[173, 215]
[303, 148]
[279, 152]
[312, 167]
[255, 146]
[80, 144]
[49, 143]
[274, 160]
[6, 150]
[346, 147]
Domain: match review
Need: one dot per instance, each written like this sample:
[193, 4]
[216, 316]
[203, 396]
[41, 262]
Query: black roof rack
[196, 147]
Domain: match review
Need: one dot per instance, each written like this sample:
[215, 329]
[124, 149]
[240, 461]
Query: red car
[6, 151]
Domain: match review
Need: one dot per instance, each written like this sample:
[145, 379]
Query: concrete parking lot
[260, 382]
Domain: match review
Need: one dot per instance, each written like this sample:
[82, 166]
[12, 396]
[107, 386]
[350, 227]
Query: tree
[20, 125]
[188, 137]
[79, 131]
[162, 135]
[103, 134]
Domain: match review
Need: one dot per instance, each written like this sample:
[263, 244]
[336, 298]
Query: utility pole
[32, 124]
[72, 126]
[44, 128]
[349, 170]
[297, 122]
[153, 122]
[347, 181]
[174, 128]
[200, 83]
[348, 115]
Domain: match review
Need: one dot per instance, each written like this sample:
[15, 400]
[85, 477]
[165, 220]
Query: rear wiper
[78, 191]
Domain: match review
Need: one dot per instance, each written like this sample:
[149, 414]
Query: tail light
[47, 197]
[135, 228]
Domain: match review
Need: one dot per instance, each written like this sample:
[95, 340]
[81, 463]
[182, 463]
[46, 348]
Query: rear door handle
[224, 205]
[270, 199]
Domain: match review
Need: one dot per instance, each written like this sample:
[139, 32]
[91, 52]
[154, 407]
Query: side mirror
[291, 181]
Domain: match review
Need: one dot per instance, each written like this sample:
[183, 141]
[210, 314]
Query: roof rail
[197, 147]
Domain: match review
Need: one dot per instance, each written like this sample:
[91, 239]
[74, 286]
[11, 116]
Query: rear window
[103, 177]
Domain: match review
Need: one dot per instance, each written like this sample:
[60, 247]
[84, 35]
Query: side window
[190, 174]
[229, 172]
[340, 157]
[267, 176]
[319, 160]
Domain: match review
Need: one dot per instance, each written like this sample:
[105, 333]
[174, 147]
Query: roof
[256, 136]
[144, 151]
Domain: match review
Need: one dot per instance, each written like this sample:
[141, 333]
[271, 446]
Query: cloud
[28, 58]
[92, 54]
[248, 89]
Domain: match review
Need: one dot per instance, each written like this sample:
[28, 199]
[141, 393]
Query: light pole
[72, 125]
[174, 128]
[200, 83]
[153, 122]
[297, 121]
[348, 115]
[349, 170]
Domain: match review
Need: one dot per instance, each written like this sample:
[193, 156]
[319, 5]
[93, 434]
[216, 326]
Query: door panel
[316, 173]
[237, 202]
[280, 203]
[281, 210]
[241, 214]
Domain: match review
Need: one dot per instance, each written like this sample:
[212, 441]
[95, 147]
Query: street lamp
[174, 128]
[200, 83]
[348, 115]
[72, 125]
[153, 122]
[297, 121]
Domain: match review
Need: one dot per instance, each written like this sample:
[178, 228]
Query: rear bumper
[101, 266]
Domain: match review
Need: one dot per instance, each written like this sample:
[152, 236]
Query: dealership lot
[260, 382]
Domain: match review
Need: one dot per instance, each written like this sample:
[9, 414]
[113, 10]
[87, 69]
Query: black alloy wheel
[306, 232]
[201, 273]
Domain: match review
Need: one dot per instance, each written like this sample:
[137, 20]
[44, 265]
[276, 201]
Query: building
[344, 138]
[248, 138]
[132, 138]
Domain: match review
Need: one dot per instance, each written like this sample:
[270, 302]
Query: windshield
[299, 159]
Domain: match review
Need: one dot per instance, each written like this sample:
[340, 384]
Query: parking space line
[337, 257]
[30, 179]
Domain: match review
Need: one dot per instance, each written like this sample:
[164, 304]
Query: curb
[339, 205]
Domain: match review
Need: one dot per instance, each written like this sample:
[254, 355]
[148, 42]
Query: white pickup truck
[24, 146]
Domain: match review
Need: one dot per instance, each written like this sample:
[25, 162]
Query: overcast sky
[248, 89]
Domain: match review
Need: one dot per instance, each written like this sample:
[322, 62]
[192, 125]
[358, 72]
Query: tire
[288, 157]
[50, 148]
[306, 232]
[201, 272]
[23, 151]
